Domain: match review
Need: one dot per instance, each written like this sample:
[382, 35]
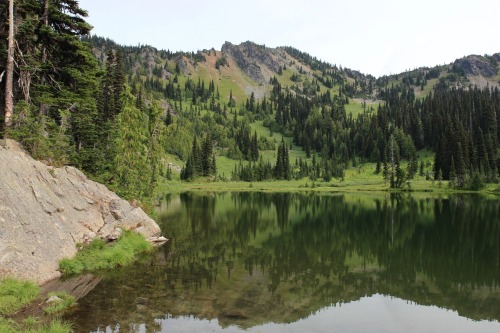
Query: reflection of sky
[370, 314]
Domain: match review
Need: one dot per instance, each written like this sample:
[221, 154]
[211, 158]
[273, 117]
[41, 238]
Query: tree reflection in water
[252, 258]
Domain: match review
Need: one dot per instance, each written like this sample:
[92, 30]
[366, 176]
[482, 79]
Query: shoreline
[307, 186]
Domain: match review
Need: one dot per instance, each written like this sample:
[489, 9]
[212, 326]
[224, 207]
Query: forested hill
[131, 116]
[336, 113]
[248, 67]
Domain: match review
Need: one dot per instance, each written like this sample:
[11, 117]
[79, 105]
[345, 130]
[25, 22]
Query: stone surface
[160, 239]
[476, 65]
[77, 286]
[53, 299]
[46, 211]
[257, 61]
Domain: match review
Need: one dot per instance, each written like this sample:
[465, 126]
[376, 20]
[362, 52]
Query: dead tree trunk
[9, 79]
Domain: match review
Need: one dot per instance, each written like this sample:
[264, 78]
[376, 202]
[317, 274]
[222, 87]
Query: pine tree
[65, 80]
[213, 166]
[378, 166]
[386, 172]
[254, 148]
[131, 162]
[187, 172]
[118, 81]
[168, 118]
[196, 159]
[156, 129]
[282, 166]
[279, 167]
[393, 163]
[421, 169]
[460, 169]
[206, 156]
[453, 173]
[400, 176]
[286, 163]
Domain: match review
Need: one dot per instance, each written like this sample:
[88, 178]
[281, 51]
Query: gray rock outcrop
[256, 60]
[183, 66]
[46, 211]
[476, 65]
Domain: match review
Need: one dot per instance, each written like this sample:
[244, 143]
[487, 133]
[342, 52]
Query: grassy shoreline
[16, 295]
[359, 178]
[335, 186]
[98, 255]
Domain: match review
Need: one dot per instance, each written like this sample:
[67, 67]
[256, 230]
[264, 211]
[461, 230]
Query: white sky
[373, 36]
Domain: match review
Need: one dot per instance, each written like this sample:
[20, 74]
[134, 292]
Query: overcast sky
[373, 36]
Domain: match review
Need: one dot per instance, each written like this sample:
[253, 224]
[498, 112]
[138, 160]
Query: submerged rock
[46, 211]
[159, 239]
[53, 299]
[77, 286]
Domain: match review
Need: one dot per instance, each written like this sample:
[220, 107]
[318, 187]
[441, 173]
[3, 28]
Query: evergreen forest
[133, 117]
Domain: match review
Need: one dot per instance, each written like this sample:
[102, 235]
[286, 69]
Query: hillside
[281, 90]
[472, 70]
[242, 69]
[249, 67]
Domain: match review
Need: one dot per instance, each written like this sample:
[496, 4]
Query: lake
[290, 262]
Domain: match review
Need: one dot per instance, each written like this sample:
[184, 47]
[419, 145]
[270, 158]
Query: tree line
[105, 118]
[66, 108]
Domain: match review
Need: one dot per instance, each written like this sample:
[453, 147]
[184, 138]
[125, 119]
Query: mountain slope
[338, 117]
[249, 67]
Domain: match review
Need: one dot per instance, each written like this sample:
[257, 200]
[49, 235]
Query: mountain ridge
[248, 67]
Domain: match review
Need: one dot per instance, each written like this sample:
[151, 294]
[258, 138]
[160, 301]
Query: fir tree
[282, 166]
[400, 176]
[378, 166]
[206, 156]
[421, 169]
[130, 163]
[386, 172]
[168, 118]
[254, 148]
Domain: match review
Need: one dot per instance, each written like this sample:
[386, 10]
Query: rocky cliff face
[475, 65]
[46, 211]
[257, 61]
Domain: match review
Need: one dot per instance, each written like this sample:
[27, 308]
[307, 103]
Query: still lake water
[284, 262]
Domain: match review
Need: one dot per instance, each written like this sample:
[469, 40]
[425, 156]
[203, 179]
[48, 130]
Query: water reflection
[370, 314]
[247, 259]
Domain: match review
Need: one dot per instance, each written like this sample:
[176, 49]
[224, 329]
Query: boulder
[45, 212]
[53, 299]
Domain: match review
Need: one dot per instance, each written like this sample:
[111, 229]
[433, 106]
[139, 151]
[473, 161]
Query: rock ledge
[46, 211]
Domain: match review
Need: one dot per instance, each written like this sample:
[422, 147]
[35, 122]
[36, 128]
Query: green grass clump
[14, 294]
[7, 326]
[59, 306]
[32, 326]
[99, 255]
[55, 326]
